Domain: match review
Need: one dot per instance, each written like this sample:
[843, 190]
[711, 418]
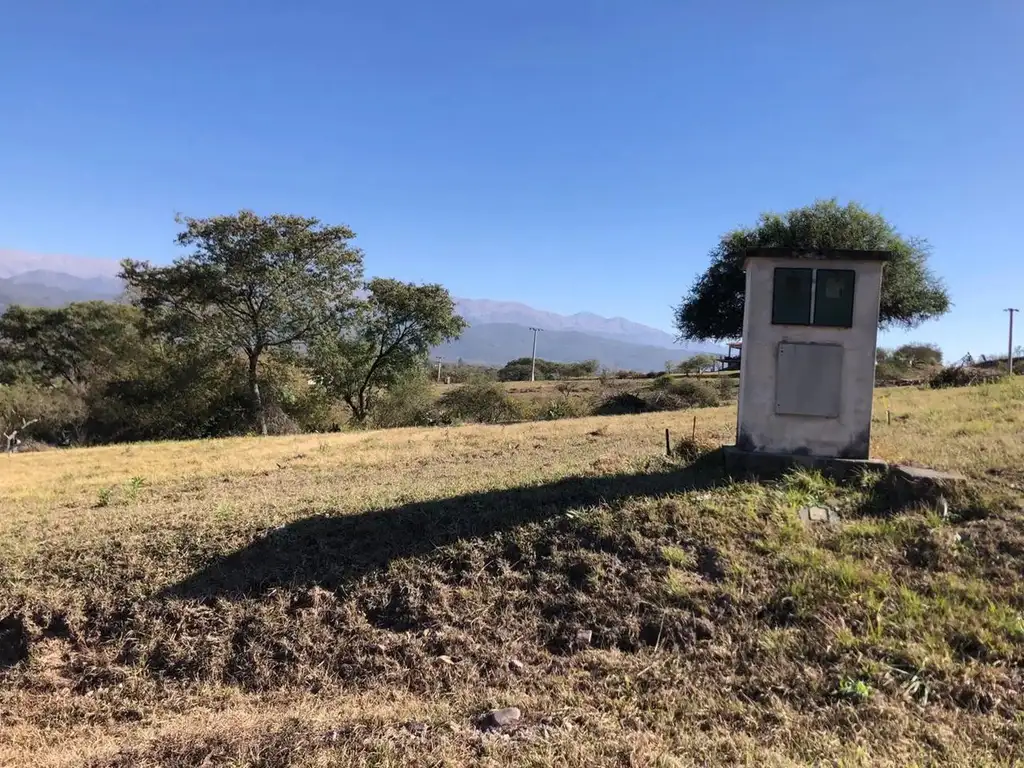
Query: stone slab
[817, 514]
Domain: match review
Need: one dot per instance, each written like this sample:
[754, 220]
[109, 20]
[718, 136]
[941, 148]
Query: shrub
[889, 370]
[691, 449]
[486, 402]
[60, 414]
[956, 376]
[683, 393]
[663, 400]
[292, 403]
[565, 408]
[622, 403]
[663, 382]
[176, 398]
[728, 388]
[410, 402]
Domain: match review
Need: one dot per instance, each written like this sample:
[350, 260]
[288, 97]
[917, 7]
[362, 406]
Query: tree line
[265, 324]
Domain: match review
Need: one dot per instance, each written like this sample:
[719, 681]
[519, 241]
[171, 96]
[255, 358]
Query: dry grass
[359, 599]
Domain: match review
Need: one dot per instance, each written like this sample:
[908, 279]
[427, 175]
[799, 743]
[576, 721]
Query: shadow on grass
[332, 551]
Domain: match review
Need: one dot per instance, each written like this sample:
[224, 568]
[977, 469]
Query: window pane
[833, 297]
[791, 301]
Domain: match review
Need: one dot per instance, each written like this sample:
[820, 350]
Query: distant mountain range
[484, 311]
[498, 331]
[45, 288]
[497, 343]
[19, 262]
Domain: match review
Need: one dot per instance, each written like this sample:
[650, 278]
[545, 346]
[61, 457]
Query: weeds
[856, 690]
[133, 486]
[103, 496]
[678, 557]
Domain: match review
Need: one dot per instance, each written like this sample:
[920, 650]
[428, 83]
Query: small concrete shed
[810, 327]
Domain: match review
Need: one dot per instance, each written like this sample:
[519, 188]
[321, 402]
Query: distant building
[730, 362]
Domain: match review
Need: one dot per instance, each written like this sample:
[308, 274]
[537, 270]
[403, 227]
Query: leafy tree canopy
[698, 363]
[76, 344]
[388, 335]
[251, 284]
[911, 293]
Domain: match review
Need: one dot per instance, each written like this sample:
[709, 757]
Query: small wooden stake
[668, 443]
[693, 436]
[888, 417]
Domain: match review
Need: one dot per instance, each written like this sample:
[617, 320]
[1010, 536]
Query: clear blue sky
[573, 155]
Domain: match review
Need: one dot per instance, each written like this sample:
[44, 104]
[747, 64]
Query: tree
[251, 284]
[77, 344]
[911, 293]
[918, 355]
[519, 369]
[698, 363]
[388, 334]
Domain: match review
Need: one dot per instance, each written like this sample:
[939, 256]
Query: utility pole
[439, 370]
[533, 364]
[1009, 351]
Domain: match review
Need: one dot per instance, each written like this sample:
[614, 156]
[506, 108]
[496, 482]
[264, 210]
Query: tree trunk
[254, 391]
[358, 408]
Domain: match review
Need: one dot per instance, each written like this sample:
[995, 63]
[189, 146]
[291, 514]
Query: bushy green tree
[699, 363]
[911, 293]
[918, 355]
[74, 345]
[251, 284]
[386, 336]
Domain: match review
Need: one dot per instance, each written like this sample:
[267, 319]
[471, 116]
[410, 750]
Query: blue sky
[573, 155]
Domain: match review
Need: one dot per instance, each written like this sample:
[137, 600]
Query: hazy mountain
[99, 285]
[19, 262]
[41, 280]
[497, 343]
[43, 288]
[481, 311]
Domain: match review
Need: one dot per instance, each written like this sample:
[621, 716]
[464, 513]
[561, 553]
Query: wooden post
[668, 443]
[693, 436]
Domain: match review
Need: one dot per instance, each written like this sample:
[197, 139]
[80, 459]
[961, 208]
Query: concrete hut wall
[760, 428]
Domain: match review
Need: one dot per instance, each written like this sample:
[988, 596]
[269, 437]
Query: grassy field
[360, 599]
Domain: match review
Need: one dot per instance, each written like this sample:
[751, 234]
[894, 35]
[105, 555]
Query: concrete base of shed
[763, 464]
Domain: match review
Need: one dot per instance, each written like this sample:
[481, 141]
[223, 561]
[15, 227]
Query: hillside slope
[361, 599]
